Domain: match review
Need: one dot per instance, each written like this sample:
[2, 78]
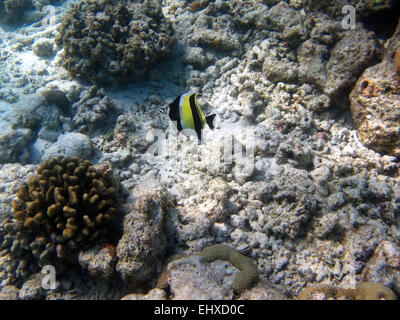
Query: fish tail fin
[210, 120]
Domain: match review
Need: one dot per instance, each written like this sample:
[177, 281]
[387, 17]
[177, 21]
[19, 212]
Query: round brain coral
[67, 206]
[109, 42]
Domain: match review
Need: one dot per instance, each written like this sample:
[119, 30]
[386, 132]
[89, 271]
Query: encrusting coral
[362, 291]
[66, 207]
[248, 275]
[109, 42]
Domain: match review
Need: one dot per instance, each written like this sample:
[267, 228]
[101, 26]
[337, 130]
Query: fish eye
[164, 110]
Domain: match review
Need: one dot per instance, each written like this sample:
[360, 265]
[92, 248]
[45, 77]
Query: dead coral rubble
[142, 247]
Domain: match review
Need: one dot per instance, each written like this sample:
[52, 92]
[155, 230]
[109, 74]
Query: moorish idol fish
[187, 114]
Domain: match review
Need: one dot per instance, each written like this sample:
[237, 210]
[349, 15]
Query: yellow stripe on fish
[187, 113]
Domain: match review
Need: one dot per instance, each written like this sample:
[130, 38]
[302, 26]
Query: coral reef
[333, 8]
[176, 265]
[384, 266]
[9, 293]
[44, 48]
[215, 29]
[23, 12]
[57, 97]
[364, 7]
[162, 280]
[350, 56]
[265, 290]
[333, 63]
[362, 291]
[69, 144]
[111, 42]
[378, 5]
[396, 61]
[142, 247]
[22, 122]
[154, 294]
[32, 289]
[372, 101]
[11, 178]
[193, 277]
[99, 260]
[314, 206]
[14, 143]
[292, 24]
[14, 9]
[93, 108]
[65, 207]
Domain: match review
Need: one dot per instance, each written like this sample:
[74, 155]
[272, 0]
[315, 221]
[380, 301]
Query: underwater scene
[199, 150]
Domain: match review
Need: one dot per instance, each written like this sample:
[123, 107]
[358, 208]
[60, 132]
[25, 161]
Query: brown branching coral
[66, 207]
